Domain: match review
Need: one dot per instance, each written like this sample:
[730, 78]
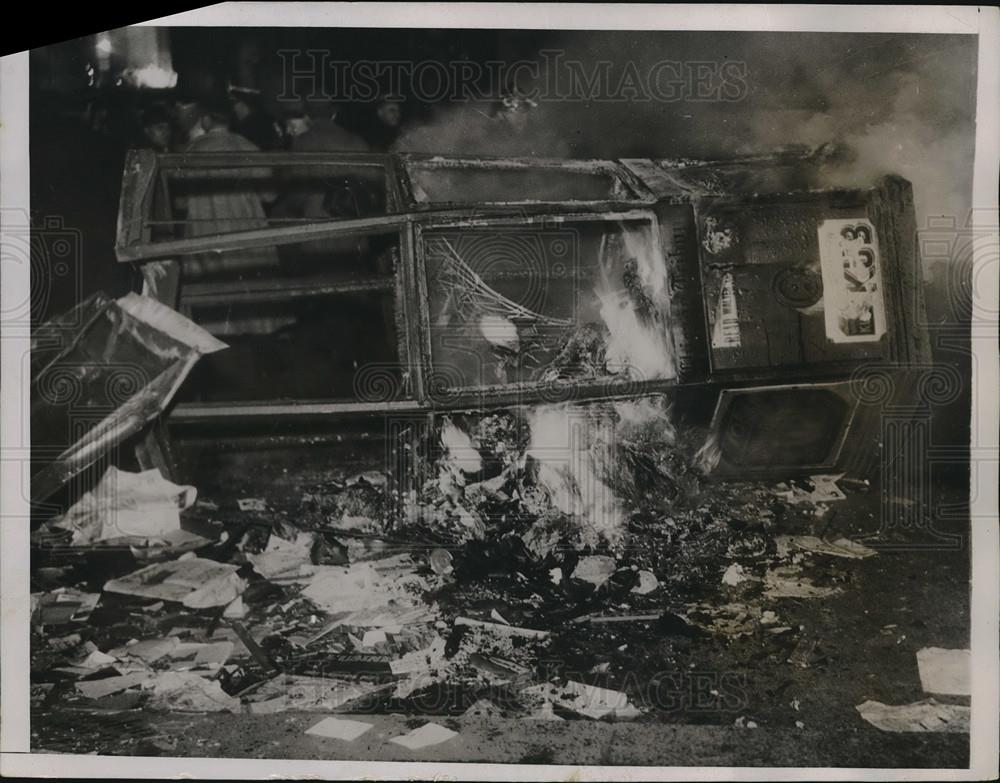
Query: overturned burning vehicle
[591, 327]
[449, 418]
[765, 321]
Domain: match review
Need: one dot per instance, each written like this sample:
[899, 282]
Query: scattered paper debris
[236, 610]
[842, 547]
[148, 650]
[300, 693]
[170, 544]
[595, 569]
[921, 716]
[427, 735]
[97, 660]
[63, 606]
[196, 582]
[583, 699]
[283, 559]
[945, 672]
[98, 689]
[819, 489]
[339, 728]
[251, 504]
[214, 654]
[419, 661]
[189, 692]
[788, 582]
[126, 506]
[499, 670]
[462, 454]
[618, 618]
[647, 583]
[346, 589]
[373, 637]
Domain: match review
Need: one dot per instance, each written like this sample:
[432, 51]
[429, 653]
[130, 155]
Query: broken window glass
[325, 329]
[544, 304]
[100, 373]
[198, 199]
[212, 198]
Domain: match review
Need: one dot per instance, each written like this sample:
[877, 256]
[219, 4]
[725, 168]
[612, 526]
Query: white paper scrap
[426, 735]
[945, 672]
[921, 716]
[373, 637]
[339, 728]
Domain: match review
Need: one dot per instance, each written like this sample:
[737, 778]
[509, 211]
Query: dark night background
[898, 103]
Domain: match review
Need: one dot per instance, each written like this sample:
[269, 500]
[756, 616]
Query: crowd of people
[176, 125]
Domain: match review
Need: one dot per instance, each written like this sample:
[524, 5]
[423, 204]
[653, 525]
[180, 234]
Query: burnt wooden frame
[404, 217]
[652, 185]
[514, 394]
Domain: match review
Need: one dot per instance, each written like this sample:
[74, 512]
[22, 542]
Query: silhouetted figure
[157, 130]
[387, 124]
[252, 122]
[223, 201]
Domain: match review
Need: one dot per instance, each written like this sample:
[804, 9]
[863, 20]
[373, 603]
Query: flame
[461, 451]
[640, 346]
[575, 456]
[707, 458]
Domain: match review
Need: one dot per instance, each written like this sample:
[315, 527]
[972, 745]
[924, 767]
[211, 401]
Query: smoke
[902, 104]
[481, 129]
[892, 103]
[574, 450]
[906, 111]
[459, 448]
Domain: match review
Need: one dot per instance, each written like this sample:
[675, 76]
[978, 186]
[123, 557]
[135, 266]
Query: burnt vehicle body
[371, 293]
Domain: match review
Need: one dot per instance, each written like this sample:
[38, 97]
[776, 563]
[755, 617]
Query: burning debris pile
[527, 572]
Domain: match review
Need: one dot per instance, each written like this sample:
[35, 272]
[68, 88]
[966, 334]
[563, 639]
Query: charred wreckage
[396, 432]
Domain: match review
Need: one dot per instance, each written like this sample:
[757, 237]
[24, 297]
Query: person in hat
[387, 123]
[251, 121]
[319, 131]
[157, 130]
[187, 119]
[223, 201]
[307, 196]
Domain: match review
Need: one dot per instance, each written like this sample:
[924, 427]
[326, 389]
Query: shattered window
[550, 304]
[330, 335]
[208, 199]
[436, 182]
[200, 198]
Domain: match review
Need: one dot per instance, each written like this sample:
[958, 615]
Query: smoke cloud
[902, 104]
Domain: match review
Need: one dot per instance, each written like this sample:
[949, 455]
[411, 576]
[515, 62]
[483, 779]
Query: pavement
[721, 701]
